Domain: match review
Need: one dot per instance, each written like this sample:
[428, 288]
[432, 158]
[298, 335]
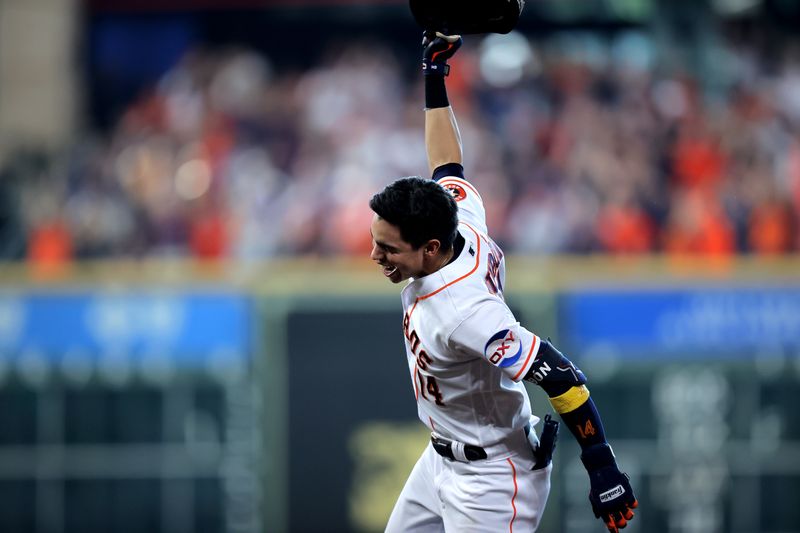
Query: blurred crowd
[576, 148]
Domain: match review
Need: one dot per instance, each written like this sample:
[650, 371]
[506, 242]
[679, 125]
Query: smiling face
[398, 258]
[413, 228]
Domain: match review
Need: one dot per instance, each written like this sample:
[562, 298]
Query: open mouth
[388, 270]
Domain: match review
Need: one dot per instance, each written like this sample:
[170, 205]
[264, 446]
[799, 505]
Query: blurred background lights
[239, 84]
[115, 321]
[109, 320]
[192, 179]
[161, 317]
[633, 51]
[504, 58]
[252, 174]
[144, 166]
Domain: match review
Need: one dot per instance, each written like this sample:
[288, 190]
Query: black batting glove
[436, 50]
[611, 494]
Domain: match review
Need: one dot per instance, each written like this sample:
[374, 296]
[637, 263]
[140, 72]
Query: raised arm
[442, 138]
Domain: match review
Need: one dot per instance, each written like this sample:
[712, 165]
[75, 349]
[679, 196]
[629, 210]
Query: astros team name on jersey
[493, 278]
[424, 384]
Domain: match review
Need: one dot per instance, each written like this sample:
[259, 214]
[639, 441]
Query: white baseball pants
[492, 495]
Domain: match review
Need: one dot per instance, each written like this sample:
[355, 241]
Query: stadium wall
[275, 397]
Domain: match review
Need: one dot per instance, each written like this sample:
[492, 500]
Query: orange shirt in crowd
[625, 229]
[208, 236]
[50, 244]
[769, 228]
[698, 161]
[698, 225]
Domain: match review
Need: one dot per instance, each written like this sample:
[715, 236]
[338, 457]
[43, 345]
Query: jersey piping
[525, 366]
[514, 497]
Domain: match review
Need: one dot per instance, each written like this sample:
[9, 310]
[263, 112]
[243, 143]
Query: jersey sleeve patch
[504, 348]
[460, 188]
[458, 192]
[493, 334]
[470, 203]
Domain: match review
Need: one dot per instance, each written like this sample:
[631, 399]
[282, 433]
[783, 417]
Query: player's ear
[432, 247]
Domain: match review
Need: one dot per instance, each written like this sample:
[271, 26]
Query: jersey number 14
[428, 386]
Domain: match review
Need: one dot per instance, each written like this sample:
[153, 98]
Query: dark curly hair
[420, 208]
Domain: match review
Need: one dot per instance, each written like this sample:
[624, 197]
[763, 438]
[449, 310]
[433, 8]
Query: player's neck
[438, 262]
[445, 258]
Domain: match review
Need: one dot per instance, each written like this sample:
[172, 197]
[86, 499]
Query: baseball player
[485, 469]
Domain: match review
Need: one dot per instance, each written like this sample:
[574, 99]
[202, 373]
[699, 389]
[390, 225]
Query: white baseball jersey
[466, 351]
[467, 354]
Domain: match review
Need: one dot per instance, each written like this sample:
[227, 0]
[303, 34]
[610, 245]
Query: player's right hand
[437, 48]
[611, 494]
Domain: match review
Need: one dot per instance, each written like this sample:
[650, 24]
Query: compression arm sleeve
[584, 422]
[565, 386]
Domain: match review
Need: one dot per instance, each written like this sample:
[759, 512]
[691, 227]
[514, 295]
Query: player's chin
[398, 278]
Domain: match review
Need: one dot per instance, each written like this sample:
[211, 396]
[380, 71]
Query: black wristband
[447, 170]
[435, 92]
[597, 457]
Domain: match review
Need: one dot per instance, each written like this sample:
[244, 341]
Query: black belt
[444, 448]
[543, 452]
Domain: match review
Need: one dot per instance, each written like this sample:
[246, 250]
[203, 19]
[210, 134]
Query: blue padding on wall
[720, 321]
[187, 325]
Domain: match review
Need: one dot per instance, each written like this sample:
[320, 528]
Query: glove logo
[504, 348]
[612, 494]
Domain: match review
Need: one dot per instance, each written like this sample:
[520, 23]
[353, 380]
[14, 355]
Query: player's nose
[375, 254]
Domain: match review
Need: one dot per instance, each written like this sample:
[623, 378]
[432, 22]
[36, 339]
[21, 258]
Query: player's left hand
[437, 48]
[611, 494]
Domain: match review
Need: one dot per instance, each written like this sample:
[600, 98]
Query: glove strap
[597, 457]
[433, 68]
